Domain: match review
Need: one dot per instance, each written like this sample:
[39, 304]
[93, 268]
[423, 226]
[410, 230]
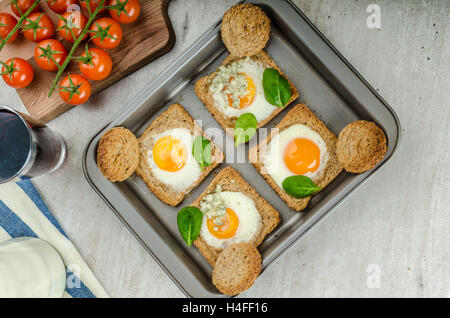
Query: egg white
[272, 156]
[260, 107]
[191, 171]
[249, 220]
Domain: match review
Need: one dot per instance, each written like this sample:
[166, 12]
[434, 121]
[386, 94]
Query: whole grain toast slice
[236, 268]
[230, 180]
[245, 29]
[201, 89]
[174, 117]
[118, 154]
[300, 114]
[361, 146]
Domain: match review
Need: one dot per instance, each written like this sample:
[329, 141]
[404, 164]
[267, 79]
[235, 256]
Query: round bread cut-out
[236, 268]
[118, 154]
[245, 29]
[361, 146]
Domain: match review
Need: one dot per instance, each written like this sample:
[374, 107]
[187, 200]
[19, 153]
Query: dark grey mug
[28, 148]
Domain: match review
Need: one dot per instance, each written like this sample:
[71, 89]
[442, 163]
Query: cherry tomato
[48, 52]
[125, 11]
[17, 73]
[38, 27]
[75, 89]
[106, 33]
[95, 64]
[23, 5]
[7, 23]
[79, 21]
[60, 6]
[93, 4]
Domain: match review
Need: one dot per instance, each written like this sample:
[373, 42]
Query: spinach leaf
[276, 87]
[244, 128]
[189, 221]
[201, 150]
[299, 186]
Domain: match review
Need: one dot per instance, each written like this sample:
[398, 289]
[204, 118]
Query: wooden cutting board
[143, 41]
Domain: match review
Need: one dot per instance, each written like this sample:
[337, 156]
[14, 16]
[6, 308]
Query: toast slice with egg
[174, 117]
[230, 180]
[201, 89]
[300, 114]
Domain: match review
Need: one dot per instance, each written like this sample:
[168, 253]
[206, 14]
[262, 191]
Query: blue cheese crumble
[214, 207]
[230, 82]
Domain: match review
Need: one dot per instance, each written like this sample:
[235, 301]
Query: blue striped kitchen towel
[24, 213]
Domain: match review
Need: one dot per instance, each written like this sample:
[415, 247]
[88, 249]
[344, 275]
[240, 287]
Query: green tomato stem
[74, 47]
[18, 25]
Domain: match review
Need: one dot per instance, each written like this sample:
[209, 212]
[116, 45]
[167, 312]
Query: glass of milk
[30, 267]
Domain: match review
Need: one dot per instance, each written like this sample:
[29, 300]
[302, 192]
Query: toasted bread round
[361, 146]
[245, 29]
[236, 268]
[118, 154]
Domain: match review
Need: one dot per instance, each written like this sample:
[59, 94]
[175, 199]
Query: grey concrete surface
[397, 224]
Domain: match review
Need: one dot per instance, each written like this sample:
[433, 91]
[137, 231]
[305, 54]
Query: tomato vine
[77, 40]
[19, 24]
[61, 68]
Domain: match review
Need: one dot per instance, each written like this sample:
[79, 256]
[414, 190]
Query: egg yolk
[230, 223]
[301, 156]
[247, 99]
[169, 154]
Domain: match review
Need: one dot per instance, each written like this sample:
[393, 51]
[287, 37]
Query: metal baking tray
[327, 83]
